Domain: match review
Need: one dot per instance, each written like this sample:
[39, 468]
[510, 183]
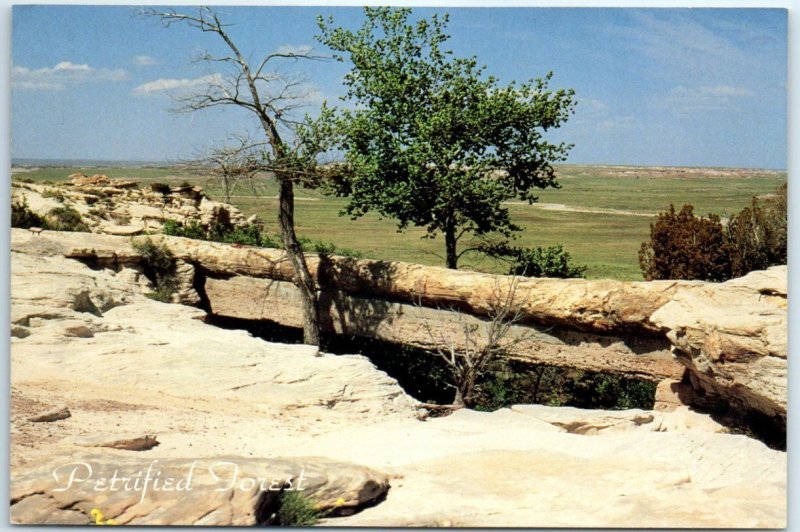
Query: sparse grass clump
[159, 267]
[54, 193]
[296, 510]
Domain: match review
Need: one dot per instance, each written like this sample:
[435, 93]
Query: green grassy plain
[602, 217]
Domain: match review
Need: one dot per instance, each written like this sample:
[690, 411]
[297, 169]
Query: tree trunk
[459, 398]
[450, 243]
[303, 279]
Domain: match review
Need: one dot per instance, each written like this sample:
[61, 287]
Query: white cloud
[690, 49]
[614, 123]
[718, 91]
[166, 85]
[63, 74]
[143, 60]
[295, 49]
[684, 99]
[593, 105]
[596, 115]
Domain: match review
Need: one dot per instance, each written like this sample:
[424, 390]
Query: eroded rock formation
[117, 207]
[210, 394]
[730, 337]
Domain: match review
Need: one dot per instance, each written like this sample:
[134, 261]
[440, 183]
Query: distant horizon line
[58, 162]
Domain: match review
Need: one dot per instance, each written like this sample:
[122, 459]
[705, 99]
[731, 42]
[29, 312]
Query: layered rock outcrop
[732, 337]
[118, 207]
[729, 337]
[141, 367]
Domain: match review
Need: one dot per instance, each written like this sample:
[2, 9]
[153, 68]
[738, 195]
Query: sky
[676, 87]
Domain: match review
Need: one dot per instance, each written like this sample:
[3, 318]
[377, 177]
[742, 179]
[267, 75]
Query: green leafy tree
[432, 141]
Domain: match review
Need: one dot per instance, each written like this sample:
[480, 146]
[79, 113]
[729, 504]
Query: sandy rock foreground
[121, 364]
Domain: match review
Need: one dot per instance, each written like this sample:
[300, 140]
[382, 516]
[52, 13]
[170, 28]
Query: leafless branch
[468, 352]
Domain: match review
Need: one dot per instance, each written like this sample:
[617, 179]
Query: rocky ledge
[87, 342]
[723, 345]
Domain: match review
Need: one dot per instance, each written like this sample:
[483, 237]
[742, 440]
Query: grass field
[601, 214]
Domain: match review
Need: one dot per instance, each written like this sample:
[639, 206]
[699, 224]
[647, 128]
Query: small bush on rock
[53, 193]
[159, 267]
[296, 510]
[551, 261]
[66, 219]
[23, 217]
[192, 230]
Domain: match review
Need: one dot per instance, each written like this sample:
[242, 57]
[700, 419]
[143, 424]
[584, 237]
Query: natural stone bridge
[729, 338]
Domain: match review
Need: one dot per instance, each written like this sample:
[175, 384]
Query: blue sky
[654, 86]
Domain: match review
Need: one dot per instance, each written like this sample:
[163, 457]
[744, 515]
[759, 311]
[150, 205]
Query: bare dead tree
[468, 353]
[271, 97]
[235, 164]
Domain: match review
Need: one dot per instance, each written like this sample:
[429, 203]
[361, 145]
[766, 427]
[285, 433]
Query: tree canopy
[432, 140]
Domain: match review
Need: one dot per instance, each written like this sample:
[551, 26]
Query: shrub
[193, 230]
[327, 248]
[250, 235]
[758, 235]
[159, 267]
[53, 193]
[551, 261]
[296, 510]
[685, 246]
[512, 382]
[23, 217]
[65, 219]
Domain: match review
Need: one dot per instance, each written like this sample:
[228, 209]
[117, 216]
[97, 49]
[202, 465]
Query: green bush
[685, 246]
[758, 235]
[327, 248]
[551, 261]
[66, 219]
[508, 383]
[23, 217]
[159, 267]
[250, 235]
[296, 510]
[193, 230]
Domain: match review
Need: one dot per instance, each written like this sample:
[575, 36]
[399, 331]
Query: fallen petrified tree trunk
[250, 298]
[599, 306]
